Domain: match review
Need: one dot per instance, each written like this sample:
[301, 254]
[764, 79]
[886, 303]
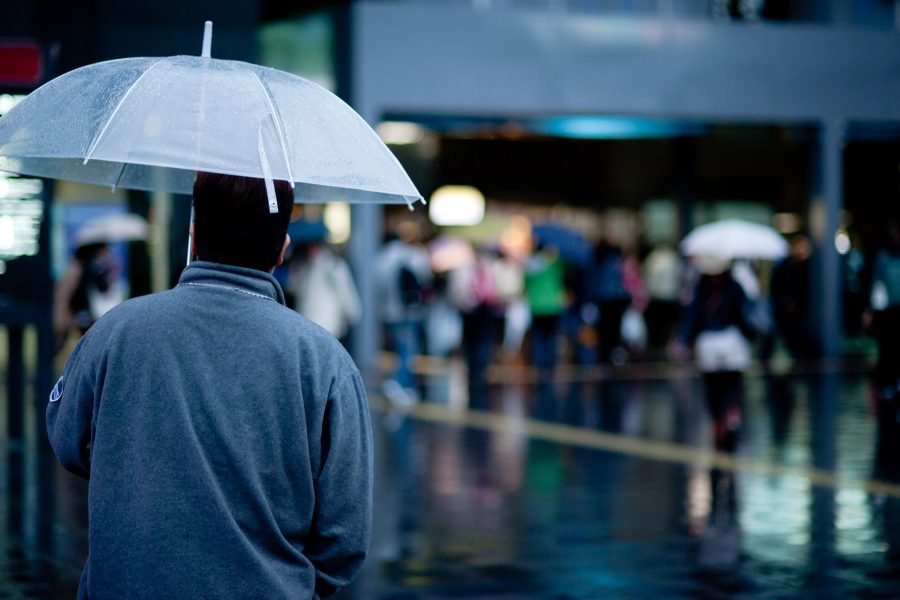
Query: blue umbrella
[572, 246]
[307, 232]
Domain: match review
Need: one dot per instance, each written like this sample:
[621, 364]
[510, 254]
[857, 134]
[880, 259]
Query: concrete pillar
[366, 219]
[825, 214]
[365, 239]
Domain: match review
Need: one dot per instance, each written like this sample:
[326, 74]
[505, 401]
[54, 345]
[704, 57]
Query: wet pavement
[584, 487]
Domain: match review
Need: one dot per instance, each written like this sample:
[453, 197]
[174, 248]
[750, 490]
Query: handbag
[634, 329]
[722, 350]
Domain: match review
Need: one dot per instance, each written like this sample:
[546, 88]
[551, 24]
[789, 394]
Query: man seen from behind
[226, 438]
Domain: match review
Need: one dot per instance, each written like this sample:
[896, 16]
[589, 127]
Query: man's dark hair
[232, 222]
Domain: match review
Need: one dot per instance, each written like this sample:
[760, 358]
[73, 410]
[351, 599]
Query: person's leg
[712, 384]
[538, 341]
[404, 342]
[415, 349]
[887, 328]
[886, 385]
[479, 356]
[732, 411]
[611, 327]
[724, 401]
[477, 342]
[544, 330]
[484, 344]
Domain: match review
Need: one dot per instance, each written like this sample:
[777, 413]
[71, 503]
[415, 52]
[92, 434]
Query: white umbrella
[126, 227]
[734, 238]
[152, 123]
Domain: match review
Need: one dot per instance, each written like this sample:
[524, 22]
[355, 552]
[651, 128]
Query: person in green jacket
[546, 294]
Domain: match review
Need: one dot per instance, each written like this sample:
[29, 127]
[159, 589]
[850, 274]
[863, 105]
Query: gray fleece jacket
[227, 441]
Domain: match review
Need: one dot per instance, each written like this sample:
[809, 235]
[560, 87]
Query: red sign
[21, 63]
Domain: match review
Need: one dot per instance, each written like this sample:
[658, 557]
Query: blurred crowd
[602, 304]
[561, 299]
[558, 298]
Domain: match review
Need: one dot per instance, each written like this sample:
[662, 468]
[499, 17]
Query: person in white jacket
[404, 285]
[324, 290]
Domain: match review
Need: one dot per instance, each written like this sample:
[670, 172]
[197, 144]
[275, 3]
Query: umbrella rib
[109, 120]
[276, 117]
[119, 176]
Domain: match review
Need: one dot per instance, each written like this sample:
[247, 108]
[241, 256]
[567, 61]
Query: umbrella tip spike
[207, 40]
[411, 204]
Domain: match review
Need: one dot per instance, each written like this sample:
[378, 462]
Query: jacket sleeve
[70, 412]
[343, 515]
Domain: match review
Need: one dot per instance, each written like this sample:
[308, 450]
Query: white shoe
[397, 394]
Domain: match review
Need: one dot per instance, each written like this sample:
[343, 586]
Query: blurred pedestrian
[855, 278]
[219, 429]
[405, 286]
[547, 299]
[473, 289]
[323, 288]
[791, 307]
[663, 278]
[510, 277]
[87, 290]
[715, 325]
[633, 326]
[481, 292]
[883, 321]
[509, 283]
[608, 290]
[759, 306]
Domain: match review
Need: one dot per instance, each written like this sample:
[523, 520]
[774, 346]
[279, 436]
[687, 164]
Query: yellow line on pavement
[632, 446]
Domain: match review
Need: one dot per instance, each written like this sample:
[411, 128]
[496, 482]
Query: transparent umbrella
[152, 123]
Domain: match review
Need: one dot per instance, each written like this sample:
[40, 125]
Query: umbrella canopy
[734, 238]
[125, 227]
[572, 246]
[152, 123]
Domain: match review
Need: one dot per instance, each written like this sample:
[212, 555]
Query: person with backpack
[480, 291]
[608, 290]
[405, 283]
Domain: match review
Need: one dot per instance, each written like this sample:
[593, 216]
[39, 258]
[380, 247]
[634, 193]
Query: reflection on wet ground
[576, 488]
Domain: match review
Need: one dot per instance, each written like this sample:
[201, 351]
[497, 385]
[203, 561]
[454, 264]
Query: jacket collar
[250, 281]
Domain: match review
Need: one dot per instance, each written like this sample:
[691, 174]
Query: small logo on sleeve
[57, 392]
